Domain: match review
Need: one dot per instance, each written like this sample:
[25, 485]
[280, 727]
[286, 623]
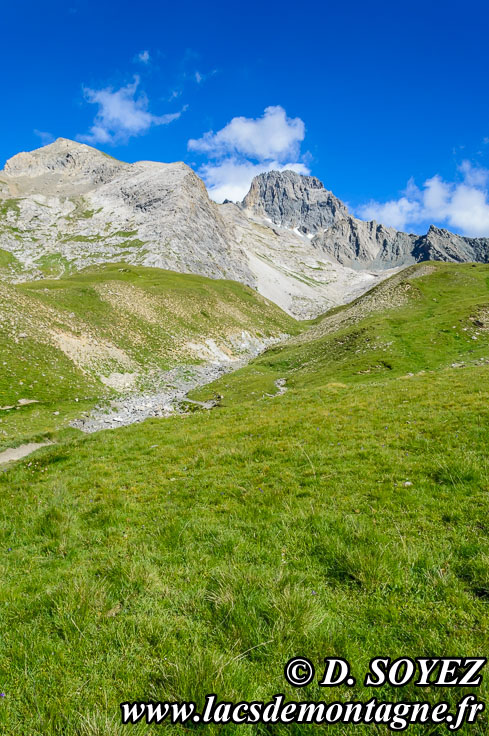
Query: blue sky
[386, 102]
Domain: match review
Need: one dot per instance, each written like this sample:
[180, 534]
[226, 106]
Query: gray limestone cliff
[67, 206]
[295, 201]
[359, 245]
[441, 245]
[292, 200]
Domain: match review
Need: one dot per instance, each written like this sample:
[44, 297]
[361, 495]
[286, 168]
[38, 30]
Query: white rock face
[67, 206]
[63, 167]
[290, 270]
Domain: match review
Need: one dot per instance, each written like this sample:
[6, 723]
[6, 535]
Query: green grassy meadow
[145, 316]
[197, 554]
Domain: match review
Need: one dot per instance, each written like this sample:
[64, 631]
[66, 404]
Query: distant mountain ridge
[296, 201]
[67, 206]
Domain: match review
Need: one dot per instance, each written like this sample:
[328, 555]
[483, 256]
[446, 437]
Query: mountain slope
[61, 168]
[361, 245]
[115, 330]
[301, 202]
[428, 317]
[289, 269]
[345, 517]
[72, 205]
[67, 206]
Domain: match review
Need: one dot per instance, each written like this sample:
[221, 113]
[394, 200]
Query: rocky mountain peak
[295, 201]
[63, 154]
[66, 206]
[440, 232]
[62, 163]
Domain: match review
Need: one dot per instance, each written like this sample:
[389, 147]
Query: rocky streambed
[171, 395]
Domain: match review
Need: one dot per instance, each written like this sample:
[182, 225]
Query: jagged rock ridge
[67, 206]
[62, 167]
[289, 199]
[295, 201]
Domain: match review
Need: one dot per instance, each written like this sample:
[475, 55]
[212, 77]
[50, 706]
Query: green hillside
[64, 342]
[197, 554]
[428, 317]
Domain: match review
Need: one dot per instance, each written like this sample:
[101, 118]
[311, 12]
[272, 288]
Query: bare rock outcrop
[441, 245]
[295, 201]
[301, 202]
[67, 206]
[361, 244]
[63, 167]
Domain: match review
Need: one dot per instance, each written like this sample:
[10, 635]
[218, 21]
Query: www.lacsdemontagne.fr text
[397, 716]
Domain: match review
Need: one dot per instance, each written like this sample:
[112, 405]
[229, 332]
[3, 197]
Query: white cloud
[121, 114]
[44, 136]
[246, 147]
[143, 57]
[474, 175]
[462, 206]
[274, 135]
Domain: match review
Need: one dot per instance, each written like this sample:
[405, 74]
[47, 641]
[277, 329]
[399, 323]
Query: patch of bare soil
[17, 453]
